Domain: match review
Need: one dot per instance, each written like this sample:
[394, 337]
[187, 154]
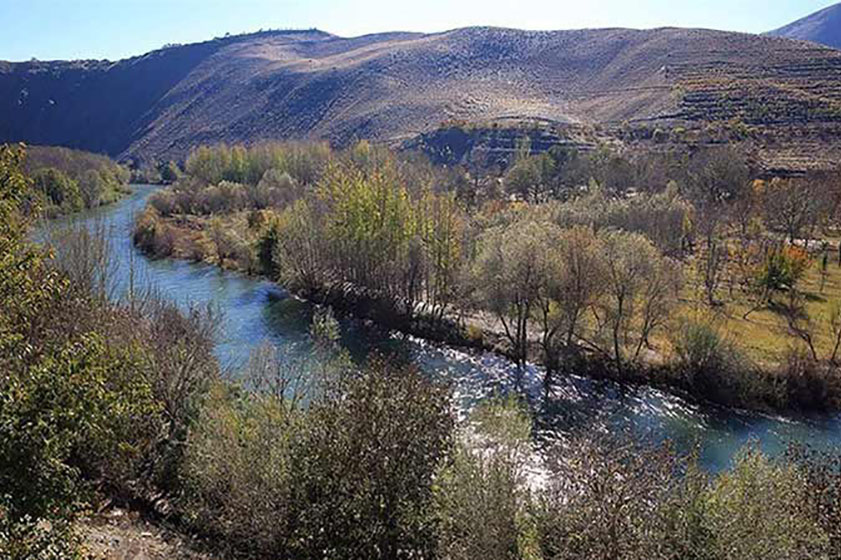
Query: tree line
[600, 257]
[69, 180]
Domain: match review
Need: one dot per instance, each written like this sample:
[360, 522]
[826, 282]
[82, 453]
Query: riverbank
[719, 379]
[256, 312]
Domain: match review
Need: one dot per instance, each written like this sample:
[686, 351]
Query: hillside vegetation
[393, 86]
[70, 180]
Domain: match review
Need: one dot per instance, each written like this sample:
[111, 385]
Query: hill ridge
[823, 27]
[393, 86]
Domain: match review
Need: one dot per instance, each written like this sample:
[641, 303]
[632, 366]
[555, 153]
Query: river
[255, 310]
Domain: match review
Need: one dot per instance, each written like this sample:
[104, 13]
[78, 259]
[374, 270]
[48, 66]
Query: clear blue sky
[60, 29]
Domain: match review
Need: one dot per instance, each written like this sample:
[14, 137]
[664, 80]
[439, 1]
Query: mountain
[822, 27]
[395, 86]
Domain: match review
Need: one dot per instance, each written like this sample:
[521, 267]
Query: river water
[255, 310]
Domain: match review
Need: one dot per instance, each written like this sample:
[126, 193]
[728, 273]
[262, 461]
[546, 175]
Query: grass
[764, 336]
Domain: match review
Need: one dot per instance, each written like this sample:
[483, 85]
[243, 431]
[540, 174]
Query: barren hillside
[394, 86]
[822, 27]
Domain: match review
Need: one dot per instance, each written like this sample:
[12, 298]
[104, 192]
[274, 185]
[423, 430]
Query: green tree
[92, 187]
[169, 172]
[59, 189]
[640, 289]
[510, 275]
[60, 398]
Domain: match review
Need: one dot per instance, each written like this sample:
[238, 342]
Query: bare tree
[791, 206]
[835, 326]
[799, 323]
[716, 179]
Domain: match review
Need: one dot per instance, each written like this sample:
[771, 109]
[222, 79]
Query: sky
[114, 29]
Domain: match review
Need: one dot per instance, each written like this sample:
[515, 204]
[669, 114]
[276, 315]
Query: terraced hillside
[395, 86]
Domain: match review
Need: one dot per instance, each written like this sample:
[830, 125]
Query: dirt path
[123, 535]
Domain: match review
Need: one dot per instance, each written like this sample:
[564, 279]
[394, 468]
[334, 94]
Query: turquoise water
[255, 310]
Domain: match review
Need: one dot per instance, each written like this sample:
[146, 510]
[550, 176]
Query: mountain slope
[394, 86]
[822, 27]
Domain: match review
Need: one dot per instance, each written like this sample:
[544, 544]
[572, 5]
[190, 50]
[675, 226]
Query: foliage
[761, 510]
[365, 232]
[68, 180]
[350, 475]
[792, 206]
[662, 217]
[640, 289]
[74, 409]
[783, 268]
[481, 494]
[304, 162]
[58, 189]
[612, 498]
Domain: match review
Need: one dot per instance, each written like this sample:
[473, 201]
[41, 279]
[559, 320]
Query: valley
[458, 292]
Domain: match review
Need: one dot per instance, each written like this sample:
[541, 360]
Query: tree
[573, 283]
[799, 323]
[222, 241]
[716, 178]
[60, 400]
[791, 206]
[612, 172]
[276, 189]
[92, 187]
[60, 190]
[531, 178]
[835, 329]
[640, 289]
[509, 275]
[169, 172]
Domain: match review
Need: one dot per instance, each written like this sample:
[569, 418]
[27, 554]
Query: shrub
[783, 268]
[349, 476]
[762, 511]
[60, 191]
[164, 203]
[810, 385]
[481, 495]
[237, 470]
[611, 498]
[152, 236]
[266, 246]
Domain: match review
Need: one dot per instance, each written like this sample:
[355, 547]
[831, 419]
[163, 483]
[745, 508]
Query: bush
[237, 473]
[73, 179]
[810, 385]
[762, 511]
[349, 476]
[152, 236]
[481, 495]
[713, 368]
[60, 191]
[164, 203]
[783, 268]
[612, 498]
